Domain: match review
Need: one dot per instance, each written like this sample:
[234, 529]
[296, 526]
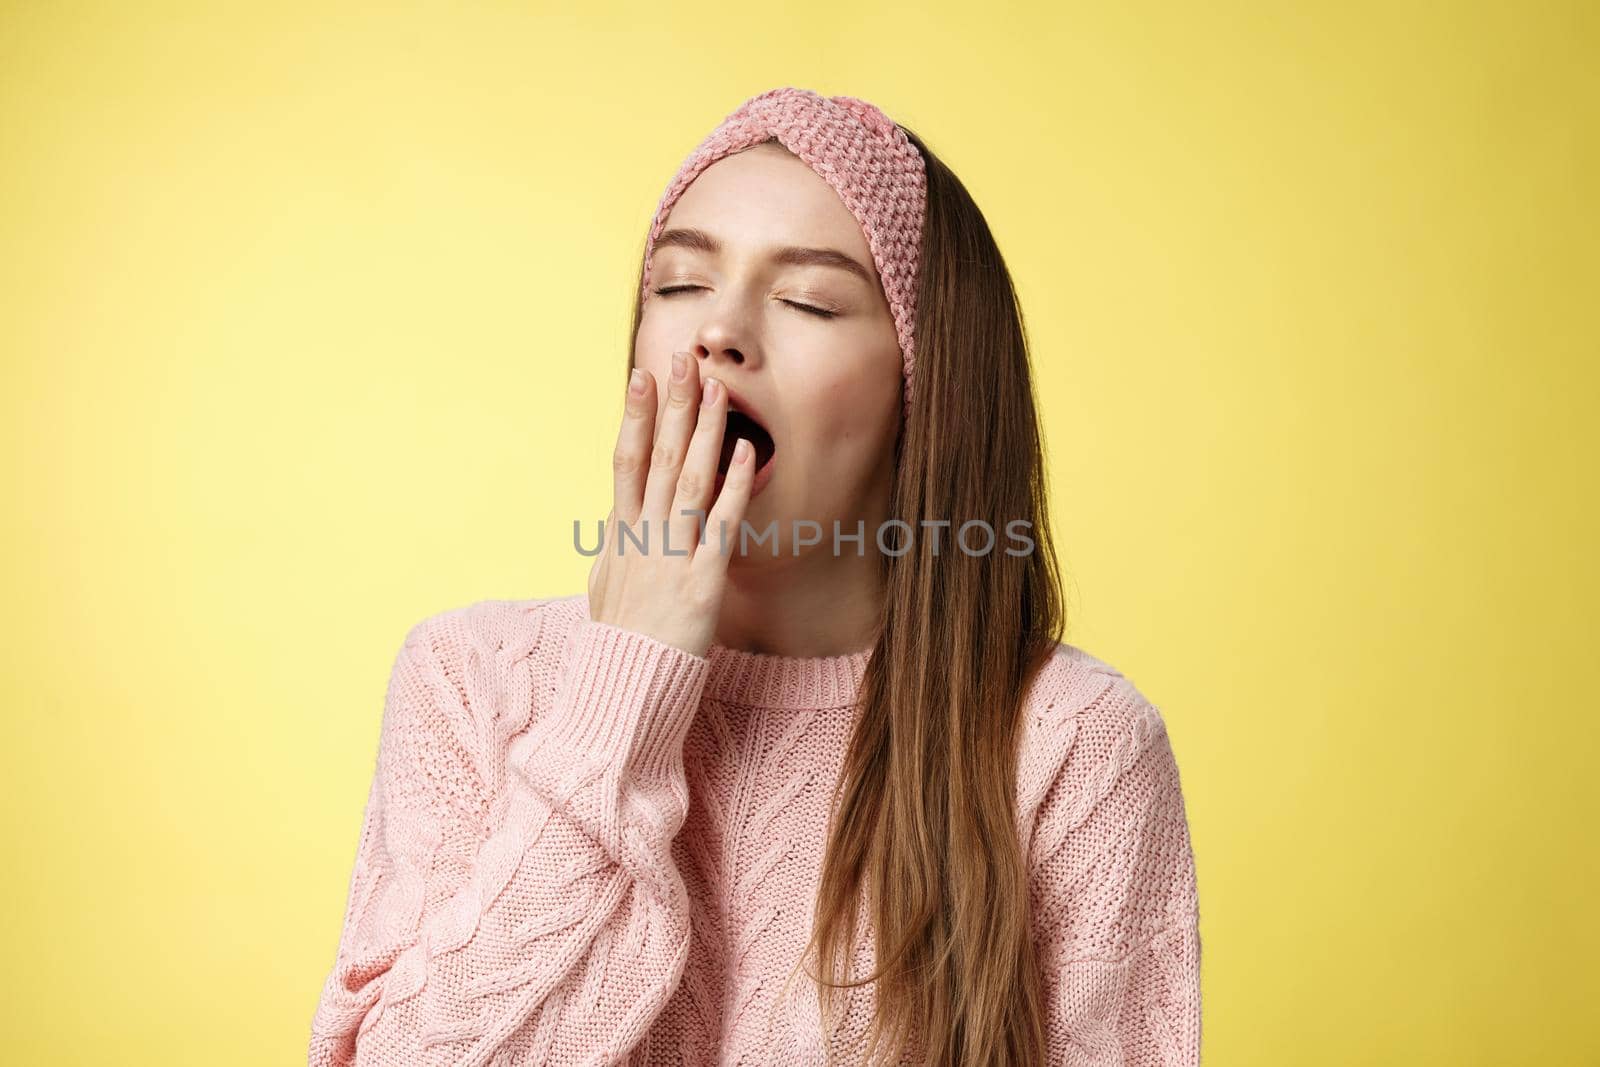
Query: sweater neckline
[765, 679]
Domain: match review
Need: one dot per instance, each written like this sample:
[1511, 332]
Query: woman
[839, 795]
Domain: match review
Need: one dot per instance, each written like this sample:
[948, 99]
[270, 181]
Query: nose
[727, 338]
[713, 358]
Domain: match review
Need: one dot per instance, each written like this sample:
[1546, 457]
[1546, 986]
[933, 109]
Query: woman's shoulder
[482, 665]
[1075, 689]
[511, 628]
[1086, 724]
[1107, 840]
[490, 647]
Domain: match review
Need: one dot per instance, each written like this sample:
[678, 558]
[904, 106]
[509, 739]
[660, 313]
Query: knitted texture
[861, 152]
[585, 846]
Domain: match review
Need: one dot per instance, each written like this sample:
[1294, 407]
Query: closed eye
[823, 313]
[819, 312]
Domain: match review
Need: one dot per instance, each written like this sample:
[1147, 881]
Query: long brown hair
[924, 809]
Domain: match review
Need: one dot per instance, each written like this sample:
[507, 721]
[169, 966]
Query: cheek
[865, 402]
[846, 426]
[651, 352]
[659, 366]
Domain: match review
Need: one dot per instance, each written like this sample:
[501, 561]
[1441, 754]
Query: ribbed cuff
[626, 699]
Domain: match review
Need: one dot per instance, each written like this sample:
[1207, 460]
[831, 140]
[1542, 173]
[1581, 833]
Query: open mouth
[741, 425]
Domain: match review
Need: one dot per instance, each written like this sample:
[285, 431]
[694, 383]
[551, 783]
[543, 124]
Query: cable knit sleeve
[514, 898]
[1114, 889]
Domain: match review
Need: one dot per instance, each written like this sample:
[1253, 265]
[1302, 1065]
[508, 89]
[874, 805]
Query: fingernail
[680, 367]
[636, 383]
[741, 451]
[710, 395]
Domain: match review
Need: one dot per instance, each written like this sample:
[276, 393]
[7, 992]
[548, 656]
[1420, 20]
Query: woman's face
[826, 387]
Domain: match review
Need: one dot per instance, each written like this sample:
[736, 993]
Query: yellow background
[312, 321]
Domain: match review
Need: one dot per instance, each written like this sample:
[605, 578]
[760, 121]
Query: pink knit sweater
[586, 846]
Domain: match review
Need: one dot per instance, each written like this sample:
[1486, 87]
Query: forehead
[766, 196]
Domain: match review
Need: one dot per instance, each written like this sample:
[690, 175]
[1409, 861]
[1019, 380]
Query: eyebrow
[697, 240]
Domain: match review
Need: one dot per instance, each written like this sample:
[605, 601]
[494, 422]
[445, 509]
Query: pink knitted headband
[861, 152]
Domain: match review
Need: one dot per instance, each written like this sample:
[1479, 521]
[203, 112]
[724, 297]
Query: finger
[630, 462]
[697, 479]
[673, 430]
[727, 515]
